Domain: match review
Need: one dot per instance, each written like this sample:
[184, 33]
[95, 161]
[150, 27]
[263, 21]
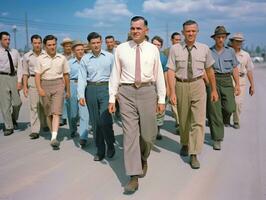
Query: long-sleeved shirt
[124, 68]
[30, 62]
[225, 61]
[94, 69]
[5, 65]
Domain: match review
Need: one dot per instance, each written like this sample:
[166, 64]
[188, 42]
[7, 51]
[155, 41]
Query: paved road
[31, 170]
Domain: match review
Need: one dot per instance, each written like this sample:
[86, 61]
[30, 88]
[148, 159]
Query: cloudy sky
[76, 19]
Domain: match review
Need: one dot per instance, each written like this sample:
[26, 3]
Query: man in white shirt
[137, 82]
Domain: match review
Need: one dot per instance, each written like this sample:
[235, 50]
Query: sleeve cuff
[112, 99]
[161, 100]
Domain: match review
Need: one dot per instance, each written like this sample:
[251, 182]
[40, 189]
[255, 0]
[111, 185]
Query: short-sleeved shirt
[51, 68]
[225, 61]
[163, 59]
[245, 62]
[178, 59]
[74, 66]
[5, 65]
[30, 62]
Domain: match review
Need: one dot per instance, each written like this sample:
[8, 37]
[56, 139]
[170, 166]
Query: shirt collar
[32, 53]
[134, 44]
[101, 53]
[75, 60]
[3, 49]
[184, 45]
[56, 55]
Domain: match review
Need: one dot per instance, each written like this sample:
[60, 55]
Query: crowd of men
[134, 81]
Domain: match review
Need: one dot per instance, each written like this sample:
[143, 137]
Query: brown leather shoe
[184, 150]
[144, 168]
[132, 186]
[217, 145]
[194, 163]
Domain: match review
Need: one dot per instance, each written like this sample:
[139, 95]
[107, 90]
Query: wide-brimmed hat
[76, 43]
[219, 30]
[238, 37]
[66, 40]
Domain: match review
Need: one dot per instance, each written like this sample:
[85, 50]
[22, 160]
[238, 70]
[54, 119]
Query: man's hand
[41, 92]
[251, 90]
[160, 108]
[237, 90]
[19, 86]
[214, 96]
[25, 91]
[173, 99]
[67, 96]
[82, 102]
[111, 108]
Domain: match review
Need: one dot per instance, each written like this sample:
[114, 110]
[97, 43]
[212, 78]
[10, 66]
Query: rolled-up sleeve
[250, 65]
[209, 59]
[66, 68]
[82, 79]
[114, 79]
[160, 82]
[171, 64]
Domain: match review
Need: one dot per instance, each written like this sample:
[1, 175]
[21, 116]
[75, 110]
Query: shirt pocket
[228, 63]
[58, 67]
[181, 62]
[200, 62]
[147, 69]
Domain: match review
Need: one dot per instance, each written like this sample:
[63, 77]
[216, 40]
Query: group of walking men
[136, 76]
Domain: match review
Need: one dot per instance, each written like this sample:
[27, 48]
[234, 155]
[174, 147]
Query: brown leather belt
[74, 80]
[223, 74]
[97, 83]
[32, 75]
[241, 74]
[189, 80]
[145, 84]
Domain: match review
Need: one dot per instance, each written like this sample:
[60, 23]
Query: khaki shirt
[30, 62]
[4, 62]
[245, 62]
[178, 59]
[68, 57]
[51, 68]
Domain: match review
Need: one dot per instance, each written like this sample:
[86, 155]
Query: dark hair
[137, 18]
[93, 35]
[174, 34]
[147, 38]
[35, 37]
[109, 37]
[158, 38]
[117, 42]
[189, 22]
[49, 37]
[4, 33]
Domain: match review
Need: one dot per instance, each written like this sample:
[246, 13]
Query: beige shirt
[245, 62]
[51, 68]
[68, 57]
[30, 62]
[124, 68]
[4, 62]
[178, 59]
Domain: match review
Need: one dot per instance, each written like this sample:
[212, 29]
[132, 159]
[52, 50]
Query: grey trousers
[138, 114]
[10, 101]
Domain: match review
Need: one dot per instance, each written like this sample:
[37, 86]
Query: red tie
[137, 69]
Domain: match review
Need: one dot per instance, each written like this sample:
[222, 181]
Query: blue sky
[76, 19]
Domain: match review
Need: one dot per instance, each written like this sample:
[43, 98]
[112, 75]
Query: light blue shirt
[226, 61]
[74, 65]
[94, 69]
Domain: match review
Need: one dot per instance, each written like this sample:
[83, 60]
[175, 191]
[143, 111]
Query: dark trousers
[97, 98]
[219, 112]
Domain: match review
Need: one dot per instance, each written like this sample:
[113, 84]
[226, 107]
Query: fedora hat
[219, 30]
[77, 43]
[238, 37]
[66, 40]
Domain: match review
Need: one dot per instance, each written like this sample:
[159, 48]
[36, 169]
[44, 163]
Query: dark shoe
[98, 157]
[144, 168]
[194, 163]
[82, 143]
[227, 125]
[55, 143]
[110, 152]
[15, 125]
[184, 150]
[132, 186]
[8, 132]
[34, 136]
[63, 122]
[217, 145]
[159, 136]
[45, 129]
[236, 126]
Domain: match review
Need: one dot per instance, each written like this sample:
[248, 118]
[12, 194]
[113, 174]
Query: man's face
[67, 48]
[79, 51]
[138, 30]
[190, 33]
[236, 44]
[50, 47]
[220, 40]
[36, 44]
[157, 44]
[5, 41]
[110, 43]
[176, 39]
[96, 45]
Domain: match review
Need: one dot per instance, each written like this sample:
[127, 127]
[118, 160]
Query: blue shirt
[94, 69]
[163, 59]
[225, 61]
[74, 66]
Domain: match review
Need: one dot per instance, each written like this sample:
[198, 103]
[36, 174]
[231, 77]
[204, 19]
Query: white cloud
[106, 10]
[4, 14]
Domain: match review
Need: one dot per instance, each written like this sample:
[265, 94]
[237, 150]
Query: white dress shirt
[124, 68]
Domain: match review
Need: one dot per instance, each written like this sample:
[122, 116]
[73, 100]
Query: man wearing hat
[74, 109]
[225, 66]
[245, 70]
[67, 48]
